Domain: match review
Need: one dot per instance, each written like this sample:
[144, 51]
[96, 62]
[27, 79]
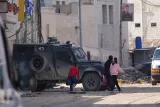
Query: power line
[149, 3]
[21, 26]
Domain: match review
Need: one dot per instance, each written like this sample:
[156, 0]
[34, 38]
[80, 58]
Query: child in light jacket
[114, 70]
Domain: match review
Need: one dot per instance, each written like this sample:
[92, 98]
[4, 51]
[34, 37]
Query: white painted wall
[109, 33]
[151, 15]
[92, 28]
[48, 17]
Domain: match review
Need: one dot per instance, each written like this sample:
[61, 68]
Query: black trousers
[108, 81]
[114, 83]
[72, 82]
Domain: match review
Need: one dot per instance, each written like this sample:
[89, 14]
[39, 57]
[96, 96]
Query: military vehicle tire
[35, 86]
[33, 83]
[38, 63]
[91, 82]
[41, 87]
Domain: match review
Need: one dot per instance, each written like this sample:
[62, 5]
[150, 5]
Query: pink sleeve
[120, 69]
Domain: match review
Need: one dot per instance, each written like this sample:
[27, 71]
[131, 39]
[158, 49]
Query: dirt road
[137, 95]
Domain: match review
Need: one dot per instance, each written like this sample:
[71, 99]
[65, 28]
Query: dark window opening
[137, 25]
[64, 56]
[63, 3]
[153, 24]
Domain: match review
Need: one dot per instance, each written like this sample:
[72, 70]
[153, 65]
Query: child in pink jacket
[114, 70]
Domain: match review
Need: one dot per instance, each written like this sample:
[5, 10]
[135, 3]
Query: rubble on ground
[133, 77]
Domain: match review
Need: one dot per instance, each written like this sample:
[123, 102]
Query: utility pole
[80, 24]
[32, 28]
[39, 24]
[120, 40]
[26, 21]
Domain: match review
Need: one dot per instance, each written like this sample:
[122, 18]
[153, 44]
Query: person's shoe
[120, 91]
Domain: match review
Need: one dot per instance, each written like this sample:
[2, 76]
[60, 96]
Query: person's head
[75, 64]
[110, 58]
[126, 9]
[115, 60]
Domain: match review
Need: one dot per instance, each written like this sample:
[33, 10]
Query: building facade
[100, 26]
[10, 18]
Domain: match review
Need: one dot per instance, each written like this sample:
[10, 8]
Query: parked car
[155, 68]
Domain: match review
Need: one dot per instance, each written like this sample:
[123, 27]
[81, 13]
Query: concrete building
[11, 20]
[100, 27]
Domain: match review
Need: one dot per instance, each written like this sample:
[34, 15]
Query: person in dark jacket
[107, 70]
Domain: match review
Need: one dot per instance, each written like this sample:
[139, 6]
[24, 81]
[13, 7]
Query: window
[57, 3]
[63, 3]
[79, 53]
[64, 56]
[137, 25]
[156, 54]
[104, 14]
[57, 7]
[110, 14]
[153, 24]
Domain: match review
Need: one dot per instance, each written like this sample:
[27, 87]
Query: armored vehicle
[50, 63]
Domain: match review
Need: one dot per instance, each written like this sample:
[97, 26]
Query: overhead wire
[21, 26]
[149, 3]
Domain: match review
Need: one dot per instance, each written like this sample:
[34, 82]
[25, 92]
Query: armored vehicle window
[64, 56]
[79, 53]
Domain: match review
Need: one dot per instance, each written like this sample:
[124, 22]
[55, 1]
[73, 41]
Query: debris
[27, 95]
[131, 77]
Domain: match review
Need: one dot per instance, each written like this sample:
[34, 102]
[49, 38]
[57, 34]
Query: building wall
[151, 15]
[48, 22]
[134, 31]
[108, 34]
[130, 32]
[66, 28]
[11, 21]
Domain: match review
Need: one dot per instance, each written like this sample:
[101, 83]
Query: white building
[100, 26]
[11, 20]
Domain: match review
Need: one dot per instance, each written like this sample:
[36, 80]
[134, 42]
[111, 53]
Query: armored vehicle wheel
[41, 87]
[91, 82]
[33, 83]
[38, 63]
[35, 86]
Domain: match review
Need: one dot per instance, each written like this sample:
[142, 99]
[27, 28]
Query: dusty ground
[137, 95]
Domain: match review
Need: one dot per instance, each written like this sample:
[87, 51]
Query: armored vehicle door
[64, 59]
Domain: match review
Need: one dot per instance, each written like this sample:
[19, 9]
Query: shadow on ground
[141, 89]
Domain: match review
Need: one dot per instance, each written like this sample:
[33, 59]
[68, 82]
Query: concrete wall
[108, 34]
[48, 22]
[66, 28]
[151, 15]
[94, 32]
[12, 23]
